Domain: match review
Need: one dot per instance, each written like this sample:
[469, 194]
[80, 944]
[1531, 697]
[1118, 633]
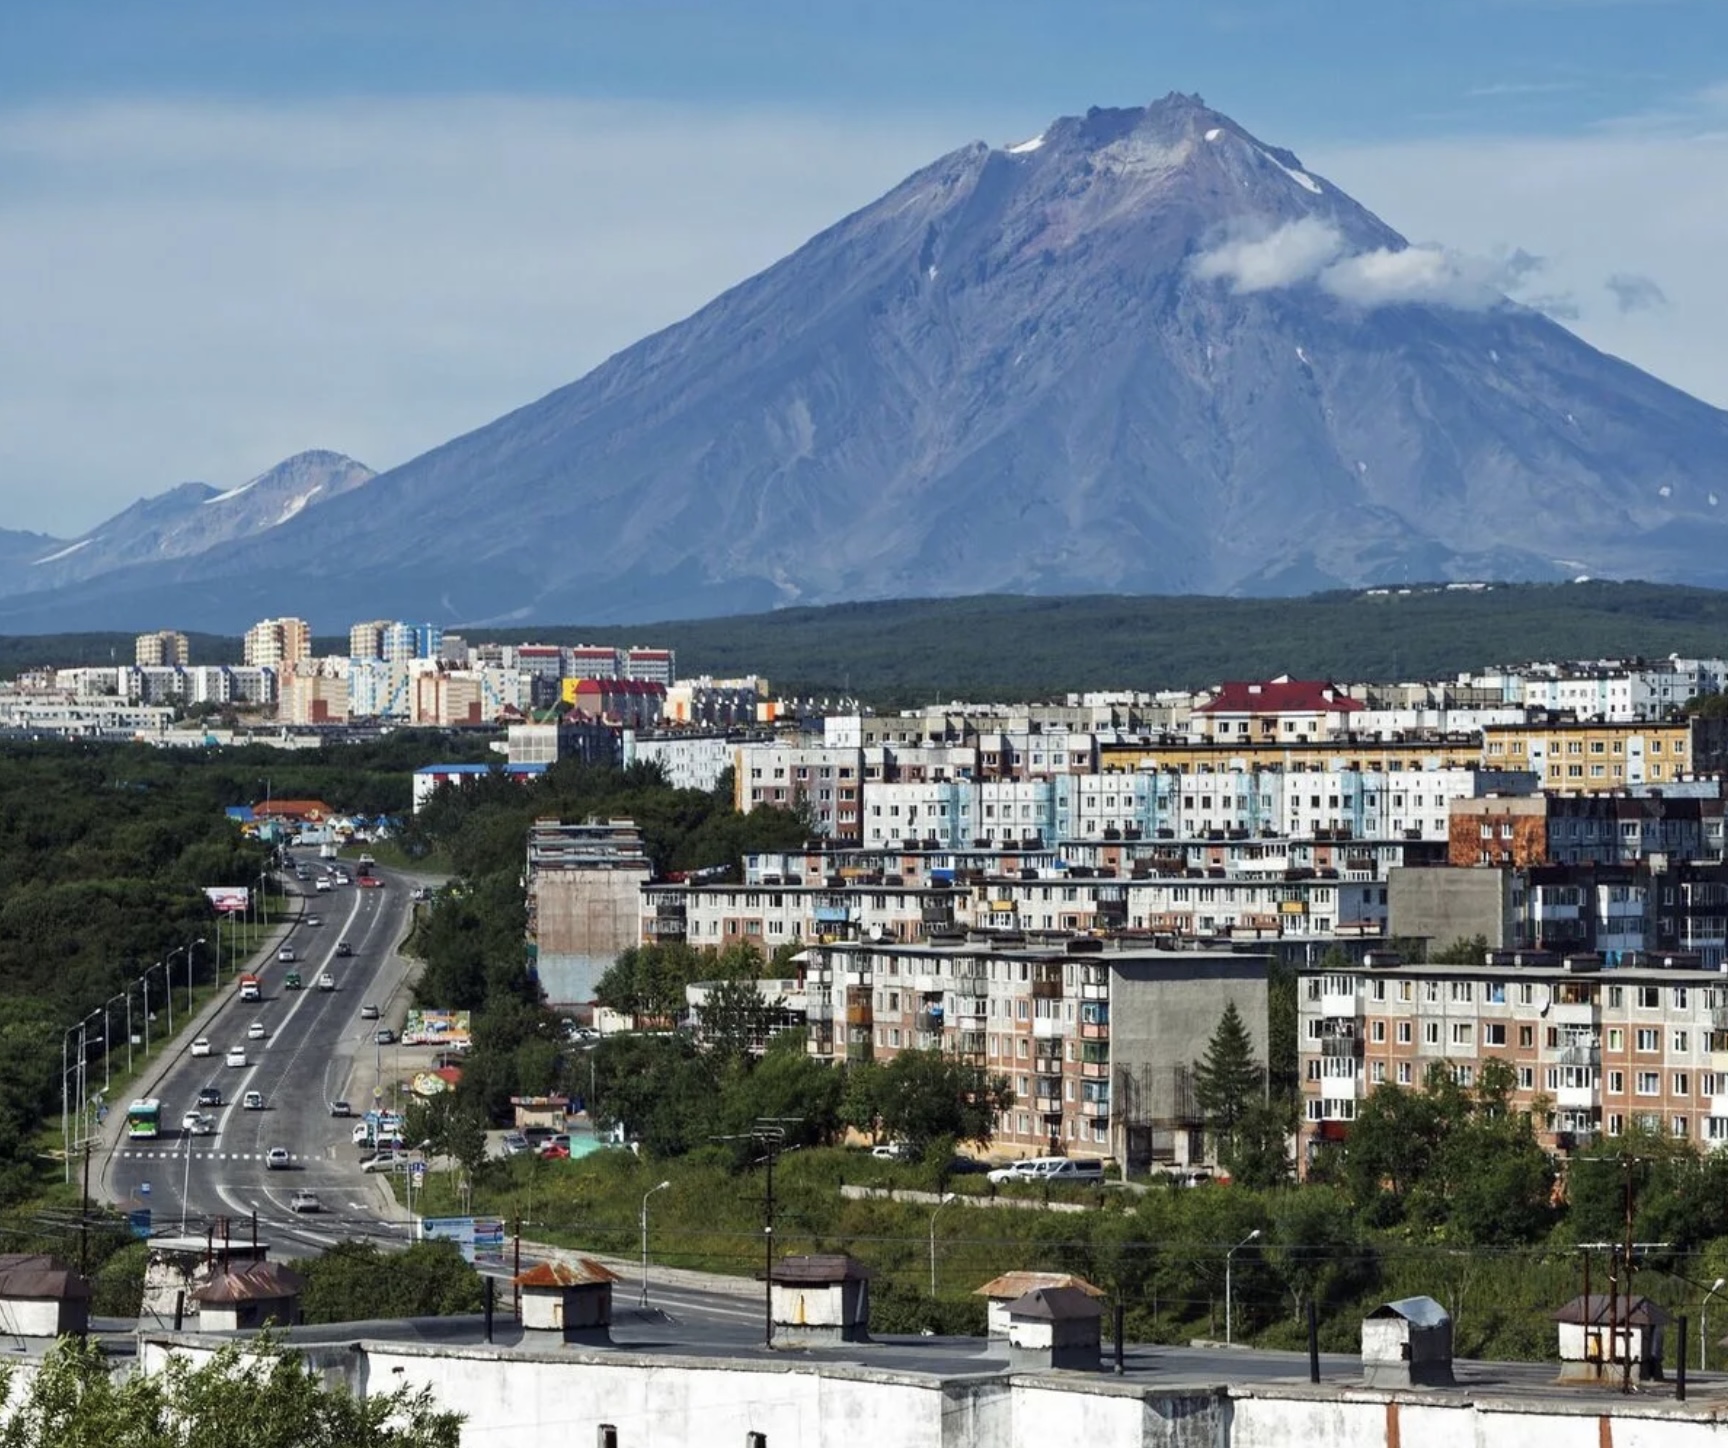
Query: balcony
[1719, 1105]
[1341, 1088]
[1577, 1098]
[1047, 1028]
[1047, 990]
[928, 1021]
[1093, 1030]
[1345, 1005]
[1048, 1065]
[968, 1043]
[859, 1050]
[1341, 1046]
[859, 1015]
[968, 1009]
[817, 1009]
[1576, 1013]
[1047, 1105]
[1579, 1056]
[667, 926]
[1095, 991]
[1719, 1018]
[1095, 1070]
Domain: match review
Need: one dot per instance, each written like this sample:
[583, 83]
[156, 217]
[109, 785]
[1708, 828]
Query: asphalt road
[315, 1041]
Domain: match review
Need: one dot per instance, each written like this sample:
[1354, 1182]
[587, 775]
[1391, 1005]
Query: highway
[317, 1049]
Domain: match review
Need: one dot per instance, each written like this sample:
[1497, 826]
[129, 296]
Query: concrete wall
[1443, 905]
[583, 919]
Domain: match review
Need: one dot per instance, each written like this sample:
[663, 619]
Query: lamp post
[645, 1195]
[84, 1066]
[189, 949]
[107, 1036]
[1229, 1324]
[946, 1198]
[144, 980]
[1703, 1314]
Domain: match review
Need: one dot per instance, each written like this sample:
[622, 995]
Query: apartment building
[582, 884]
[826, 782]
[1593, 1051]
[1419, 751]
[1683, 821]
[689, 758]
[162, 648]
[278, 642]
[1280, 710]
[1096, 1038]
[1599, 757]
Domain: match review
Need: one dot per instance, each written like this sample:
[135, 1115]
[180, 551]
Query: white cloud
[1293, 253]
[1634, 293]
[194, 290]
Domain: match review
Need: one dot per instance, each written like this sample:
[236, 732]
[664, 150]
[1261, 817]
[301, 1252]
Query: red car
[555, 1152]
[371, 882]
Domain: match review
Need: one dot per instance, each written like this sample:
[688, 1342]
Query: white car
[305, 1200]
[252, 1101]
[196, 1123]
[326, 981]
[387, 1161]
[1054, 1169]
[286, 955]
[236, 1056]
[255, 1031]
[314, 920]
[201, 1047]
[278, 1159]
[320, 883]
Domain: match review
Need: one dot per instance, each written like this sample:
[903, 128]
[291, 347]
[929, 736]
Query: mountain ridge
[1144, 351]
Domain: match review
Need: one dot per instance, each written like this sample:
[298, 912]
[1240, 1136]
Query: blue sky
[232, 230]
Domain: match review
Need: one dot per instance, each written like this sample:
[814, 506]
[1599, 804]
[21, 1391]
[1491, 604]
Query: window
[1403, 1033]
[1616, 997]
[1648, 1038]
[1649, 998]
[1464, 1075]
[1681, 1041]
[1648, 1083]
[1616, 1123]
[1677, 1127]
[1431, 1032]
[1405, 1075]
[1682, 1084]
[1377, 1073]
[1377, 1032]
[1463, 1033]
[1526, 1078]
[1616, 1083]
[1616, 1039]
[1463, 990]
[1526, 1036]
[1493, 1034]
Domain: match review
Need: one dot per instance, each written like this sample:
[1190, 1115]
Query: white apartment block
[689, 761]
[1593, 1051]
[826, 782]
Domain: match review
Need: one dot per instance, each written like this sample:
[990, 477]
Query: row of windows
[1493, 992]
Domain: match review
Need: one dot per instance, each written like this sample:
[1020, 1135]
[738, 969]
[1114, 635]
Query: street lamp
[645, 1195]
[107, 1037]
[946, 1198]
[188, 949]
[1228, 1323]
[1703, 1313]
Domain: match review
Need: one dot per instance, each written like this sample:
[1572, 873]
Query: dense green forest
[910, 651]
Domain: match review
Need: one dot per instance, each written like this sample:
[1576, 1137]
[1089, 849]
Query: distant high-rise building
[274, 642]
[366, 640]
[165, 648]
[651, 666]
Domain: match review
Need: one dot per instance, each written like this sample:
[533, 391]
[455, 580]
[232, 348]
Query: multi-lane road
[316, 1049]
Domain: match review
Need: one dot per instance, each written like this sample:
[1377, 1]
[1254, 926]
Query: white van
[1057, 1169]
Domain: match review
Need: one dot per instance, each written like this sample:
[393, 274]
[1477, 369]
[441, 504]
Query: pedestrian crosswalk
[202, 1156]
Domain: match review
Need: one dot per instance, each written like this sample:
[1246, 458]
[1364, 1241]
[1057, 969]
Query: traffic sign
[143, 1189]
[417, 1170]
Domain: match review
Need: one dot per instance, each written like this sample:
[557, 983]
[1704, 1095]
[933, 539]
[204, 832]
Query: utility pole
[84, 1217]
[769, 1132]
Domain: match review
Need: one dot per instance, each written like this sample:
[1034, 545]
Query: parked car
[1053, 1169]
[558, 1144]
[278, 1159]
[236, 1056]
[368, 1012]
[255, 1031]
[555, 1152]
[305, 1200]
[201, 1046]
[341, 1108]
[210, 1096]
[893, 1151]
[384, 1036]
[196, 1123]
[343, 948]
[252, 1101]
[515, 1143]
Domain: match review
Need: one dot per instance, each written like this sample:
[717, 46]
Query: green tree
[1228, 1079]
[921, 1095]
[258, 1393]
[1258, 1155]
[356, 1282]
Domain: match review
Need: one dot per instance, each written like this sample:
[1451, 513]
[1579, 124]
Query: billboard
[479, 1239]
[436, 1028]
[229, 899]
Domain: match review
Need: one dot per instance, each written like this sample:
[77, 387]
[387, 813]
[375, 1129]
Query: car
[555, 1152]
[291, 980]
[236, 1056]
[341, 1108]
[201, 1046]
[278, 1159]
[326, 981]
[313, 920]
[893, 1151]
[384, 1036]
[515, 1143]
[386, 1161]
[556, 1144]
[305, 1200]
[255, 1031]
[320, 883]
[371, 882]
[1053, 1169]
[252, 1101]
[196, 1123]
[210, 1096]
[368, 1012]
[286, 955]
[341, 877]
[344, 949]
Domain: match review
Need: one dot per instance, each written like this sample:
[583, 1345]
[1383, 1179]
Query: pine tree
[1229, 1079]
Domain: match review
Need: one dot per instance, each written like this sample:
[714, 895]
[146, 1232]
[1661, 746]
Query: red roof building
[1281, 710]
